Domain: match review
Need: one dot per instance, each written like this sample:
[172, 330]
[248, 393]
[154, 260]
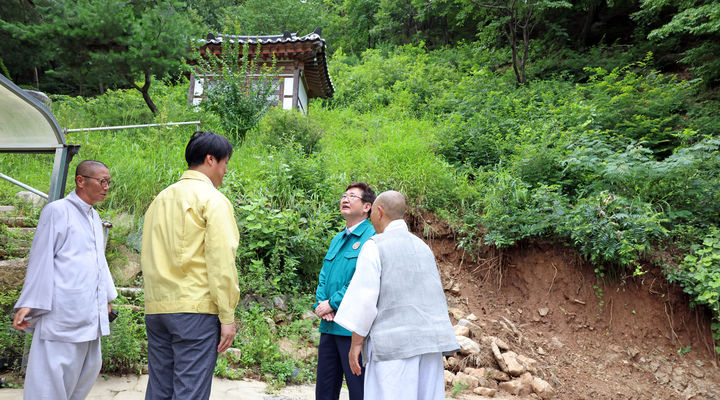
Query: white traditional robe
[414, 378]
[68, 286]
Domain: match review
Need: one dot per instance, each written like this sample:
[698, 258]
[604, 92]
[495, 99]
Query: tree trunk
[145, 90]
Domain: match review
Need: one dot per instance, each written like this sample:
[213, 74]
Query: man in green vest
[337, 271]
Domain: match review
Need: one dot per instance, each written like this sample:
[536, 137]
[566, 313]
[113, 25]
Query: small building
[301, 62]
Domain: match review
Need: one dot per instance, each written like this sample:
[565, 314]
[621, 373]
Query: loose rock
[467, 345]
[542, 388]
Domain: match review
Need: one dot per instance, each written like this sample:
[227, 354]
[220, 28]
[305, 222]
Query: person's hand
[109, 308]
[329, 316]
[354, 358]
[227, 337]
[19, 319]
[323, 308]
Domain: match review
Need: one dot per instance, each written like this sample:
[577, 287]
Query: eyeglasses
[103, 182]
[350, 196]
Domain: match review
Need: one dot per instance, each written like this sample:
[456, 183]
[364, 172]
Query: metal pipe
[24, 186]
[108, 128]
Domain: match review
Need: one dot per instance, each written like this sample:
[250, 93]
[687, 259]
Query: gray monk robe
[396, 300]
[68, 287]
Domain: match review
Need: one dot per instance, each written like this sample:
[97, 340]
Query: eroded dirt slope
[635, 339]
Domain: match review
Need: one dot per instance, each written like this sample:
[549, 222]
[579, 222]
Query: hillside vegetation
[598, 150]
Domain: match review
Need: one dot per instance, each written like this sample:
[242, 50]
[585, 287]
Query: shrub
[11, 341]
[125, 350]
[611, 231]
[699, 275]
[280, 128]
[238, 89]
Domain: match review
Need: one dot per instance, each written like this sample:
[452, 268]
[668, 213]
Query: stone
[498, 356]
[31, 198]
[232, 355]
[474, 329]
[278, 318]
[456, 313]
[467, 345]
[309, 314]
[528, 363]
[514, 367]
[501, 344]
[279, 303]
[497, 375]
[541, 351]
[449, 378]
[483, 391]
[453, 363]
[556, 343]
[476, 372]
[461, 331]
[12, 272]
[518, 387]
[543, 311]
[455, 290]
[469, 380]
[542, 388]
[271, 325]
[471, 317]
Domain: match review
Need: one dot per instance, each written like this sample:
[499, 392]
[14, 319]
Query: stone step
[12, 272]
[7, 209]
[23, 232]
[14, 252]
[17, 222]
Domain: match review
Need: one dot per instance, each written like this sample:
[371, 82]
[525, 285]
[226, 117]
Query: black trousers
[332, 365]
[182, 353]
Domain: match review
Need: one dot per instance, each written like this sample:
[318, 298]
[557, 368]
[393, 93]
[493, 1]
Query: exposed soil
[639, 339]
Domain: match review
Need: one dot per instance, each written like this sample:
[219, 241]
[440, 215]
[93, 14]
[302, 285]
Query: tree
[696, 21]
[518, 19]
[19, 60]
[238, 88]
[92, 45]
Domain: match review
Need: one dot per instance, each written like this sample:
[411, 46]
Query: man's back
[189, 231]
[412, 310]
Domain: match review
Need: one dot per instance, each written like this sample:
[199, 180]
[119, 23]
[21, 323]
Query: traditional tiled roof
[309, 49]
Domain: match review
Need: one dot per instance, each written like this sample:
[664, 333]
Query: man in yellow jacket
[191, 284]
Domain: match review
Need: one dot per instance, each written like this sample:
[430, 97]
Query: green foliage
[612, 231]
[88, 46]
[251, 17]
[511, 210]
[280, 249]
[696, 22]
[11, 340]
[125, 350]
[260, 351]
[284, 128]
[699, 275]
[238, 88]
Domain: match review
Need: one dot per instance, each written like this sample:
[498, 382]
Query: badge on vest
[356, 245]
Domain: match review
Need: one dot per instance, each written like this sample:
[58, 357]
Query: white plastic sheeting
[25, 124]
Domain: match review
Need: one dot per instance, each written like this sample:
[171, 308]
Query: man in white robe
[396, 308]
[68, 288]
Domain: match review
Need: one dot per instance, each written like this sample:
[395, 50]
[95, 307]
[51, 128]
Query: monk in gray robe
[68, 288]
[396, 309]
